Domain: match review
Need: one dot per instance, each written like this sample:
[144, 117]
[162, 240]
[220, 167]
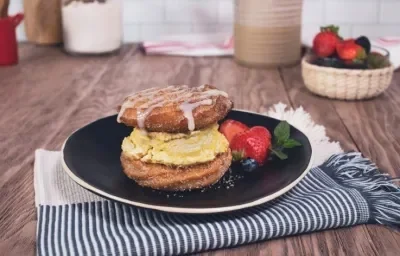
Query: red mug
[8, 39]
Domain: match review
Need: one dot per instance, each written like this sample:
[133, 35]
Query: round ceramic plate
[91, 157]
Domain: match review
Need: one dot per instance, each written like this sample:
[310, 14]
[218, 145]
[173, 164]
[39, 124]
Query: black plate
[91, 157]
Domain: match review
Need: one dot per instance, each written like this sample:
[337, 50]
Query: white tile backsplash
[313, 11]
[390, 12]
[154, 32]
[191, 11]
[225, 28]
[376, 30]
[352, 11]
[132, 33]
[150, 19]
[144, 12]
[225, 11]
[15, 7]
[204, 28]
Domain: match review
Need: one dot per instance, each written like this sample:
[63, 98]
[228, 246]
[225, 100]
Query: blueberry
[332, 62]
[249, 165]
[364, 42]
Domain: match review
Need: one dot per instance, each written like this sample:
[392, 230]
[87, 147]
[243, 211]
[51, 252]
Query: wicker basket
[345, 84]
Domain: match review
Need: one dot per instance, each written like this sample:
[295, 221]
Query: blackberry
[364, 42]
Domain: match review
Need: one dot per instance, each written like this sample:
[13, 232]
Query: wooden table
[49, 95]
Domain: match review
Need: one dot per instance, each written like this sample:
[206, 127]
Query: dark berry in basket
[376, 60]
[356, 64]
[329, 62]
[364, 42]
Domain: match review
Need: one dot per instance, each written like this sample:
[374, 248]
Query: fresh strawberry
[348, 50]
[324, 43]
[253, 143]
[230, 128]
[361, 53]
[256, 143]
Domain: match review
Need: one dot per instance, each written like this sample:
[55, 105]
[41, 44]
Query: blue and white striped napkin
[345, 190]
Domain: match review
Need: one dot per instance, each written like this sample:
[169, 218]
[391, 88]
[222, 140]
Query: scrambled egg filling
[177, 149]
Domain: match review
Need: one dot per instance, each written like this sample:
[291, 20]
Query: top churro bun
[175, 109]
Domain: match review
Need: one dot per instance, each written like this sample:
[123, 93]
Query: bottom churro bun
[176, 178]
[176, 161]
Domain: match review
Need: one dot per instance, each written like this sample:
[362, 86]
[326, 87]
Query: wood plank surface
[50, 94]
[374, 126]
[355, 240]
[46, 88]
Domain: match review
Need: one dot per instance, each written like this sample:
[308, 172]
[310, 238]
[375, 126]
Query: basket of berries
[350, 69]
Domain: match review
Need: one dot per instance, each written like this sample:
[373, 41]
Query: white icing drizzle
[152, 98]
[144, 111]
[216, 92]
[188, 108]
[132, 99]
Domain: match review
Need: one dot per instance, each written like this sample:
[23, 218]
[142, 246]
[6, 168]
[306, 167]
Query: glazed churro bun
[174, 109]
[175, 144]
[174, 178]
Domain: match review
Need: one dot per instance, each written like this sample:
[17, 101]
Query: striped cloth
[347, 190]
[344, 190]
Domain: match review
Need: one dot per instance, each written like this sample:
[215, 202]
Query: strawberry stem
[238, 155]
[330, 28]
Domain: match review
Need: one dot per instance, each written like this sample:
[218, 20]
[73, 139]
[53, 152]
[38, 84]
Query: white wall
[149, 19]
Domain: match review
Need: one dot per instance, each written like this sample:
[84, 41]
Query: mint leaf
[279, 154]
[291, 143]
[282, 140]
[282, 132]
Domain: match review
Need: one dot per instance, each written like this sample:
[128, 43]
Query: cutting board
[43, 21]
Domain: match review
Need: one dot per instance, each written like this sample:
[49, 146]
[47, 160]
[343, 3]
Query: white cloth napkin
[53, 186]
[196, 45]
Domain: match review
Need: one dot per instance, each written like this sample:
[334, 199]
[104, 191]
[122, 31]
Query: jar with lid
[92, 26]
[267, 33]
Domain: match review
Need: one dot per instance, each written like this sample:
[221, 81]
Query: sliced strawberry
[349, 50]
[253, 143]
[230, 128]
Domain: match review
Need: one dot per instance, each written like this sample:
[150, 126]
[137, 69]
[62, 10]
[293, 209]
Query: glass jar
[92, 26]
[267, 33]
